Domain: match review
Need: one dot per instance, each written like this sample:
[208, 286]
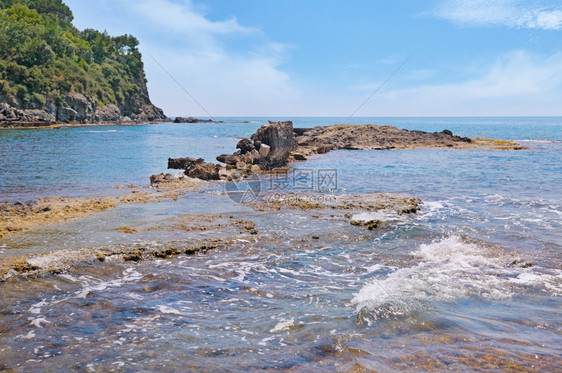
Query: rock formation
[194, 120]
[278, 143]
[77, 108]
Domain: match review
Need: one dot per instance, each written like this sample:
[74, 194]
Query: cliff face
[50, 72]
[75, 108]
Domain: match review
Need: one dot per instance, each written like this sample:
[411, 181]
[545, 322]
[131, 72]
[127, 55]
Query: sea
[471, 282]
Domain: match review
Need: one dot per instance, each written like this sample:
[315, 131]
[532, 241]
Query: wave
[448, 270]
[540, 141]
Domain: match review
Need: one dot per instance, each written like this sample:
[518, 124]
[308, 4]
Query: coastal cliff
[50, 72]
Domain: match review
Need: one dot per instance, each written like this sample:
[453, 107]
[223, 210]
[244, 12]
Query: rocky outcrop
[319, 140]
[364, 137]
[195, 120]
[76, 108]
[280, 142]
[195, 168]
[268, 148]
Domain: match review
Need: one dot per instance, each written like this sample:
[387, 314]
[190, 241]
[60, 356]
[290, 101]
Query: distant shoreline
[44, 125]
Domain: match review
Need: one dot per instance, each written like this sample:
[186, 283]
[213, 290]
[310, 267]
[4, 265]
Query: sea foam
[451, 269]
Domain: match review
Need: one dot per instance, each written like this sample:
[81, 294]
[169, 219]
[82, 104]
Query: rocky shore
[277, 143]
[18, 217]
[75, 108]
[356, 214]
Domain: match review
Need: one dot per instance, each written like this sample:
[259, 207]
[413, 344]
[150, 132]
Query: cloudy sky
[326, 57]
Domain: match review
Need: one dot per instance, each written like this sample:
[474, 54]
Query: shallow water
[471, 282]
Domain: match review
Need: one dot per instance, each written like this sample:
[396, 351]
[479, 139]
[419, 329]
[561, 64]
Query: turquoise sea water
[471, 282]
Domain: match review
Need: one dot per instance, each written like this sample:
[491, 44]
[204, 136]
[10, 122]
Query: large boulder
[280, 139]
[204, 171]
[183, 163]
[195, 168]
[230, 159]
[245, 145]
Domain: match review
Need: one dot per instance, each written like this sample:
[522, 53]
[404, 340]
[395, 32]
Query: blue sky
[325, 57]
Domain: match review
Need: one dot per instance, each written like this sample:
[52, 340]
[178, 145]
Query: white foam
[29, 335]
[448, 270]
[169, 310]
[537, 141]
[36, 308]
[38, 321]
[129, 275]
[377, 215]
[283, 325]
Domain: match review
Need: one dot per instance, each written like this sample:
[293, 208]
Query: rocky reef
[319, 140]
[268, 148]
[195, 120]
[276, 144]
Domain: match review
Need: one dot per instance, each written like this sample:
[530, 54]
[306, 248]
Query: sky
[337, 58]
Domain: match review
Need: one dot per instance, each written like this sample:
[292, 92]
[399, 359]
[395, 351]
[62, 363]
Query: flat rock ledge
[320, 140]
[276, 144]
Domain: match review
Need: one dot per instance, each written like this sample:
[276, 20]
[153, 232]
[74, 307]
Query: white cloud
[183, 18]
[511, 13]
[230, 68]
[518, 83]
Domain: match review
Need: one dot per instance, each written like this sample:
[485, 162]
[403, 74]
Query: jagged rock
[300, 131]
[324, 149]
[194, 120]
[255, 155]
[230, 159]
[42, 116]
[204, 171]
[183, 163]
[195, 168]
[280, 138]
[76, 108]
[80, 104]
[264, 150]
[162, 178]
[299, 157]
[247, 158]
[67, 115]
[108, 113]
[245, 146]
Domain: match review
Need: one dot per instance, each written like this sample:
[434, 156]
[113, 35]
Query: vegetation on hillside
[43, 56]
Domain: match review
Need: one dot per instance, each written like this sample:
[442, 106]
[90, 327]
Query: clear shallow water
[473, 281]
[86, 160]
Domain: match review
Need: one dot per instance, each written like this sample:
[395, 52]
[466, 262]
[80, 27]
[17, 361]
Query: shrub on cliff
[43, 56]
